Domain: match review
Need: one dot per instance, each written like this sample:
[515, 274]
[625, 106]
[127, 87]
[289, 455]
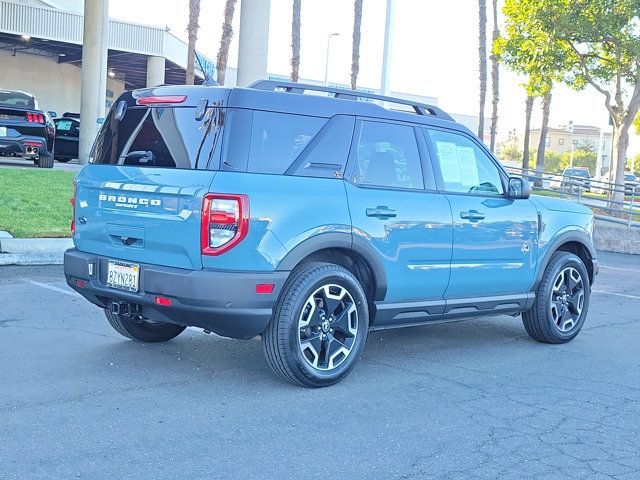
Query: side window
[465, 167]
[387, 156]
[278, 138]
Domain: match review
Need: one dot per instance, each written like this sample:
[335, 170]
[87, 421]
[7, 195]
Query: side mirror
[52, 114]
[519, 188]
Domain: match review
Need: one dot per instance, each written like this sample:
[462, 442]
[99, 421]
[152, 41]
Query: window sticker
[468, 166]
[448, 155]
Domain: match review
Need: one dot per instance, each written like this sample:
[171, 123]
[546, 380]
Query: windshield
[577, 173]
[16, 99]
[630, 177]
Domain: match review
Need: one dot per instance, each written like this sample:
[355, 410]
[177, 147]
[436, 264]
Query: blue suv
[310, 216]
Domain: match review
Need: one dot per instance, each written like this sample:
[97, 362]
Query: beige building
[560, 140]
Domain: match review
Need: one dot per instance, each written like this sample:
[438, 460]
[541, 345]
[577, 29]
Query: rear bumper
[20, 145]
[220, 301]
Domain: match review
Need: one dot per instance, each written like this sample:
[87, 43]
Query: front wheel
[562, 301]
[319, 327]
[143, 330]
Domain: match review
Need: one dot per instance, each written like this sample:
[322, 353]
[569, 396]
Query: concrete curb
[33, 251]
[611, 237]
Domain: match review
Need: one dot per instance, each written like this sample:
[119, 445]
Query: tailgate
[140, 214]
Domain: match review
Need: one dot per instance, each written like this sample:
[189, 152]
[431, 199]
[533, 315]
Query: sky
[434, 52]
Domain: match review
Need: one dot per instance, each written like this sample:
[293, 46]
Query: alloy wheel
[567, 299]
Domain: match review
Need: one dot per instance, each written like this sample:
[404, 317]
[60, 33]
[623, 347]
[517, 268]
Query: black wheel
[319, 327]
[143, 330]
[562, 301]
[45, 160]
[62, 159]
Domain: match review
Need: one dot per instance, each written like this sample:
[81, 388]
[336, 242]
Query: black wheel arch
[342, 248]
[577, 243]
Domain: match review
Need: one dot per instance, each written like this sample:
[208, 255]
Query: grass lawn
[35, 203]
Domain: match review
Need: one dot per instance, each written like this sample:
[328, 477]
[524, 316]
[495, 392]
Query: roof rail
[419, 108]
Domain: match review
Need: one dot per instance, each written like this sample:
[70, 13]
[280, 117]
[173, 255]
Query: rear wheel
[562, 301]
[45, 160]
[319, 326]
[143, 330]
[62, 159]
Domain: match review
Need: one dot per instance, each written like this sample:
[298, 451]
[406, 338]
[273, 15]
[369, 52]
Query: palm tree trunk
[355, 52]
[546, 108]
[192, 33]
[528, 108]
[295, 40]
[495, 79]
[225, 41]
[482, 50]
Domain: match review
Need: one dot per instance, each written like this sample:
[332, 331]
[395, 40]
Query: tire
[45, 161]
[63, 159]
[319, 326]
[143, 331]
[557, 317]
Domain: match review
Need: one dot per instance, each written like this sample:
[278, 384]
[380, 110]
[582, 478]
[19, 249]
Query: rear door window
[277, 139]
[387, 155]
[166, 137]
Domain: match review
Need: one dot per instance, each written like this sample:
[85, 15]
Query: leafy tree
[600, 44]
[192, 34]
[510, 154]
[355, 52]
[295, 40]
[225, 41]
[482, 52]
[634, 164]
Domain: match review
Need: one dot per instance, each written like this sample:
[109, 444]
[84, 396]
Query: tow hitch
[124, 309]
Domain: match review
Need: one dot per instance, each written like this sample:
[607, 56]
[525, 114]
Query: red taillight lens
[73, 209]
[163, 301]
[35, 117]
[161, 99]
[225, 222]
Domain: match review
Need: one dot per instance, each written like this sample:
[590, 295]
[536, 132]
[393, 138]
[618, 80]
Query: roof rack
[290, 87]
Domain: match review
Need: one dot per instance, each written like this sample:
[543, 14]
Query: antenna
[208, 81]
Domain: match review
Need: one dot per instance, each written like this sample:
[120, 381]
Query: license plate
[3, 131]
[123, 276]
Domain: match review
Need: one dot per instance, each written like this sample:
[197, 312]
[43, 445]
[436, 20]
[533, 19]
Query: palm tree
[295, 40]
[482, 50]
[546, 107]
[527, 132]
[495, 79]
[225, 40]
[192, 33]
[355, 52]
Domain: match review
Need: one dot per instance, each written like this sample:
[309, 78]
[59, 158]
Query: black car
[25, 130]
[67, 136]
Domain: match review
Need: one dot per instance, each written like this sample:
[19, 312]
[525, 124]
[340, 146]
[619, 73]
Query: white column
[155, 71]
[253, 41]
[386, 52]
[94, 73]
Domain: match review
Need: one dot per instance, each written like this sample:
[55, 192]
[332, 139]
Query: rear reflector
[80, 283]
[163, 301]
[31, 143]
[161, 99]
[264, 287]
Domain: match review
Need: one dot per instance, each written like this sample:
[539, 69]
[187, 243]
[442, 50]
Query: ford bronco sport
[310, 220]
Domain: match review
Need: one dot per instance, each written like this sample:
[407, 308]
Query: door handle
[381, 212]
[472, 215]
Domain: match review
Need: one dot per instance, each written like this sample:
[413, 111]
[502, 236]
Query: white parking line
[619, 269]
[51, 287]
[617, 294]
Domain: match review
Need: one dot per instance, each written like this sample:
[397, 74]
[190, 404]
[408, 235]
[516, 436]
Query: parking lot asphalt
[474, 399]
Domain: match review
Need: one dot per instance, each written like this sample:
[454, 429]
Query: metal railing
[595, 194]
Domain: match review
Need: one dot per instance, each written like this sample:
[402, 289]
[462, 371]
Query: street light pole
[386, 51]
[326, 65]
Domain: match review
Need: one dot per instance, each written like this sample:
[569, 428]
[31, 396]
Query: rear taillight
[73, 209]
[35, 117]
[225, 222]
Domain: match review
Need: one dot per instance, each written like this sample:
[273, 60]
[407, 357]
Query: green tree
[355, 47]
[510, 154]
[600, 44]
[634, 164]
[225, 41]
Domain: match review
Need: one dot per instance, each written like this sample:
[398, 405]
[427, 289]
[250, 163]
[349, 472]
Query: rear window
[277, 139]
[164, 137]
[577, 173]
[16, 99]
